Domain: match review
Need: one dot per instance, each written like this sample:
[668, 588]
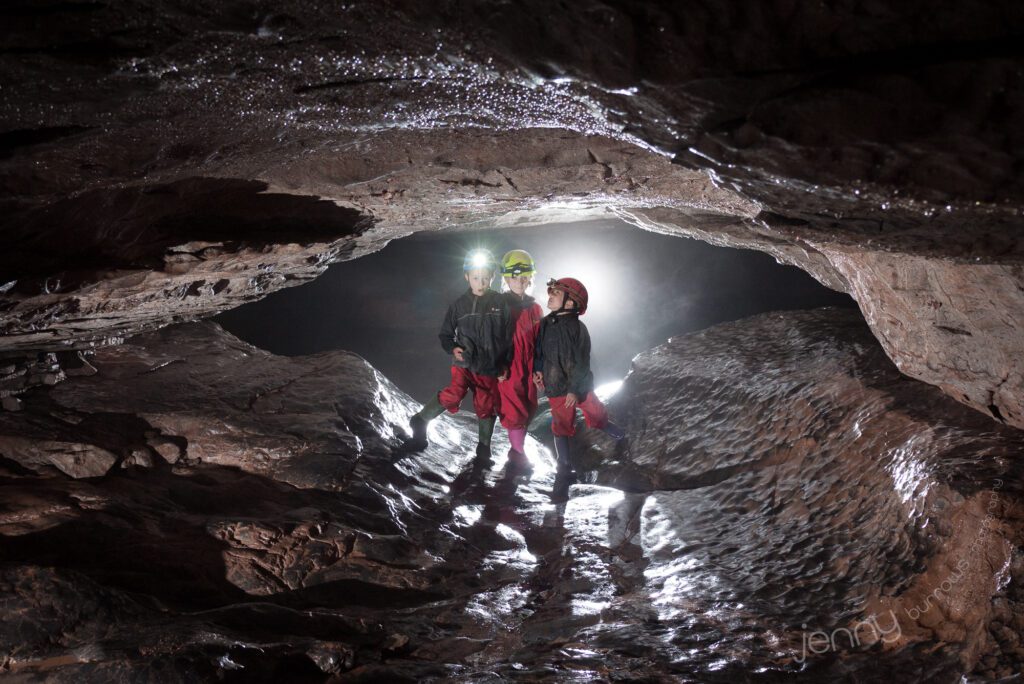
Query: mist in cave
[644, 288]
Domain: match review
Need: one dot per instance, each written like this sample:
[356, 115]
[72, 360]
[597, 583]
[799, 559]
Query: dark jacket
[563, 356]
[482, 326]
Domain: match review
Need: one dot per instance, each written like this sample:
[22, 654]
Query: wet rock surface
[94, 269]
[781, 477]
[801, 478]
[161, 161]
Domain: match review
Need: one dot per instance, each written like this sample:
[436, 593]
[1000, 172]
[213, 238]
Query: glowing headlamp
[479, 259]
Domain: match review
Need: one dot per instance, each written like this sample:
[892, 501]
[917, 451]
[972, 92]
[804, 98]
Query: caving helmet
[517, 262]
[573, 290]
[479, 258]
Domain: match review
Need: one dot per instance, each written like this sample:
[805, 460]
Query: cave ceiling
[162, 161]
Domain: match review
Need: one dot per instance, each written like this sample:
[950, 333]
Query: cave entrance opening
[644, 288]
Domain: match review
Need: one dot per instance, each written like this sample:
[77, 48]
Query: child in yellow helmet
[518, 392]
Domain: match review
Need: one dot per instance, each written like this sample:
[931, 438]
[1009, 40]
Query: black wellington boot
[614, 431]
[563, 458]
[485, 429]
[418, 441]
[518, 461]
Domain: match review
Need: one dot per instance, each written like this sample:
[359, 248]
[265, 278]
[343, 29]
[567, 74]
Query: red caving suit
[518, 393]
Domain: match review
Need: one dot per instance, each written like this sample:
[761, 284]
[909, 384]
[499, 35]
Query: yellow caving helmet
[517, 262]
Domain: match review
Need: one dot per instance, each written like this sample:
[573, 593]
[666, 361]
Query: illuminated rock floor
[201, 509]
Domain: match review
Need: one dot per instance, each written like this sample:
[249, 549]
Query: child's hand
[504, 376]
[571, 400]
[538, 379]
[457, 353]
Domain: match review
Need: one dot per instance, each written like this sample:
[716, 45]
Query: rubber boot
[562, 457]
[485, 428]
[614, 431]
[519, 461]
[564, 475]
[517, 453]
[418, 442]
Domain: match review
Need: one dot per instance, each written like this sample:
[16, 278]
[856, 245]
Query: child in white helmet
[477, 332]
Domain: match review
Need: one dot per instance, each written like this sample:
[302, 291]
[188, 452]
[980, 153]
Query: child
[562, 368]
[477, 332]
[518, 392]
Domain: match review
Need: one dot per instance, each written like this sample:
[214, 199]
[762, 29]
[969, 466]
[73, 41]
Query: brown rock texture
[781, 478]
[954, 322]
[161, 161]
[789, 505]
[794, 464]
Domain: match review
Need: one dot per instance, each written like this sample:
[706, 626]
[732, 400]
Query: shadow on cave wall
[135, 227]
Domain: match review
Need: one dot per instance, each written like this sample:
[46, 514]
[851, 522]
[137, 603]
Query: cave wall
[161, 161]
[786, 445]
[198, 508]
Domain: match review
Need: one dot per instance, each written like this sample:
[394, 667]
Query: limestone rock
[195, 162]
[71, 458]
[784, 480]
[788, 443]
[168, 449]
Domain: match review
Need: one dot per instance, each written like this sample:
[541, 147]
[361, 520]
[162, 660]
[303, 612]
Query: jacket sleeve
[510, 334]
[581, 363]
[538, 350]
[523, 344]
[448, 328]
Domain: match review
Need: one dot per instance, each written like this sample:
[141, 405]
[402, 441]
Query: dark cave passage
[801, 485]
[645, 288]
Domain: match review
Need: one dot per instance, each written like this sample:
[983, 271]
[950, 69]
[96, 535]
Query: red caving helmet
[574, 289]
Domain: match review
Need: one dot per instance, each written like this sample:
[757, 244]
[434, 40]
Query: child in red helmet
[562, 368]
[477, 332]
[518, 392]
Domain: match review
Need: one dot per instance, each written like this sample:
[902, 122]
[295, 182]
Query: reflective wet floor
[786, 507]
